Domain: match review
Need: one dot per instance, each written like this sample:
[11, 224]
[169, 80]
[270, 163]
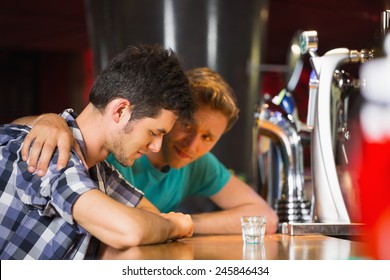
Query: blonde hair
[210, 89]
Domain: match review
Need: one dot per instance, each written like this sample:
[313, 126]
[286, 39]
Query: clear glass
[253, 229]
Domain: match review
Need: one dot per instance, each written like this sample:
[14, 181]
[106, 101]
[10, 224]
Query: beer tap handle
[309, 42]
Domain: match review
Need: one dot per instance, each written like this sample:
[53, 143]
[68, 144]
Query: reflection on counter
[253, 252]
[231, 247]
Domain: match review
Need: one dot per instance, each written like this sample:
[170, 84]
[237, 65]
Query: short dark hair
[150, 77]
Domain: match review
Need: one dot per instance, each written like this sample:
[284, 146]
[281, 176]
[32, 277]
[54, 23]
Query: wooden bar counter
[231, 247]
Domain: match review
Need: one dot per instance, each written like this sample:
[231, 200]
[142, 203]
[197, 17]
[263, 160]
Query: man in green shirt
[185, 166]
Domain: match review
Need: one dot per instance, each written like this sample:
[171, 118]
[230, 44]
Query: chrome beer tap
[281, 152]
[330, 204]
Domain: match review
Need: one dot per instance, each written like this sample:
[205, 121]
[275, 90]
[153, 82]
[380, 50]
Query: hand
[49, 131]
[183, 223]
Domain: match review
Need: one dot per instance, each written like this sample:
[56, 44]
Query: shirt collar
[70, 117]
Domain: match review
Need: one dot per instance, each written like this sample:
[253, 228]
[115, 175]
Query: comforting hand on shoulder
[49, 131]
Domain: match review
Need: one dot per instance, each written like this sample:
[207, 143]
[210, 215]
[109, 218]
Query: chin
[128, 163]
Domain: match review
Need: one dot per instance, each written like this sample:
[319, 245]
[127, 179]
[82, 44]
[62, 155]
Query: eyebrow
[162, 130]
[195, 123]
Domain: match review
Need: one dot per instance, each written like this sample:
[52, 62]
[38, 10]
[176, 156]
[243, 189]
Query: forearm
[30, 120]
[228, 221]
[147, 228]
[217, 222]
[155, 232]
[123, 227]
[145, 204]
[236, 199]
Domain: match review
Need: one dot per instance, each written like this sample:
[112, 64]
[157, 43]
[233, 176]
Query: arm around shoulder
[48, 132]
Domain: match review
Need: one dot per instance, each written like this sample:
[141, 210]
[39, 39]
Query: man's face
[141, 136]
[189, 141]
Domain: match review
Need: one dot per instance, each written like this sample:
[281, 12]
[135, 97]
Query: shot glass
[253, 229]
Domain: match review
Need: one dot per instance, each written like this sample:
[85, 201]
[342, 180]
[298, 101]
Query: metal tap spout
[290, 200]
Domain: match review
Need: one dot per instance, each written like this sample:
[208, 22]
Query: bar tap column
[329, 201]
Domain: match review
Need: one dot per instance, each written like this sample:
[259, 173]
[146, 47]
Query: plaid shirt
[36, 219]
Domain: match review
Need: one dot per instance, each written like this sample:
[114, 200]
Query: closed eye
[153, 134]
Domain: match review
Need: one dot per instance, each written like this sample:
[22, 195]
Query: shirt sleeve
[52, 194]
[57, 190]
[118, 188]
[68, 187]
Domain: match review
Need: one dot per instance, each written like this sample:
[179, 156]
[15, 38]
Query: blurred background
[51, 50]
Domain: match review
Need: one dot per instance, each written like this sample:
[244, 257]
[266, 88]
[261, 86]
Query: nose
[155, 145]
[191, 141]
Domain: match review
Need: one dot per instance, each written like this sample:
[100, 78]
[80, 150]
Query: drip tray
[350, 229]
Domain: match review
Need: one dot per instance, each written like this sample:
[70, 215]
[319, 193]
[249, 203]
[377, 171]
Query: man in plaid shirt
[133, 103]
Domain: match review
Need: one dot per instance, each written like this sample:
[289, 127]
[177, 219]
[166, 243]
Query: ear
[120, 110]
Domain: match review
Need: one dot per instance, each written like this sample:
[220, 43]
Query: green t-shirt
[204, 177]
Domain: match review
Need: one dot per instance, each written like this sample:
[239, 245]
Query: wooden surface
[231, 247]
